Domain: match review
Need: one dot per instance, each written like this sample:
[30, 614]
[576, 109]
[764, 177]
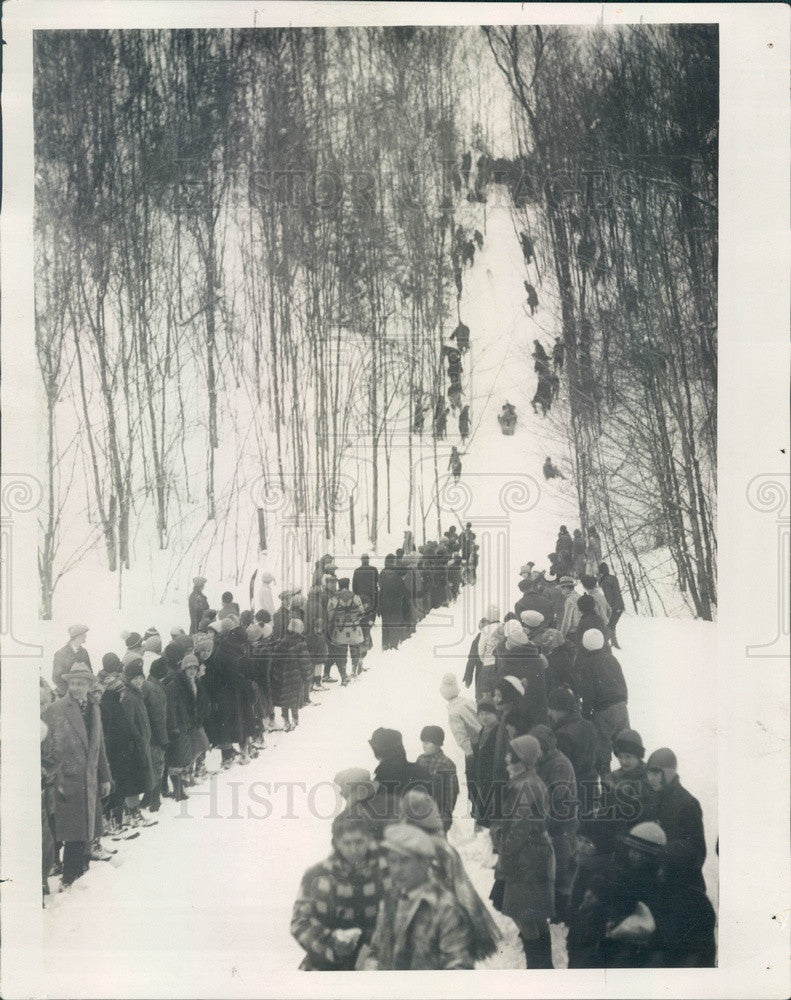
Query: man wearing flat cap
[73, 652]
[198, 603]
[75, 724]
[420, 925]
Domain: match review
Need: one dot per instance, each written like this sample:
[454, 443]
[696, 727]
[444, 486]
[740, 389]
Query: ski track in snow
[218, 881]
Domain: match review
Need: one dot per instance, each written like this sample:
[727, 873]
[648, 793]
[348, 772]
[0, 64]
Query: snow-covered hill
[216, 880]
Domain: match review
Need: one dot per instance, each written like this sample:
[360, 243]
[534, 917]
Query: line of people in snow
[116, 741]
[615, 855]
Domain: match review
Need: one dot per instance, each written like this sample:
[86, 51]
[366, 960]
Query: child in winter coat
[291, 659]
[444, 780]
[316, 641]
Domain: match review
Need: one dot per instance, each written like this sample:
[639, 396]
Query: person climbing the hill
[440, 418]
[454, 465]
[532, 298]
[611, 589]
[578, 554]
[468, 253]
[552, 471]
[543, 396]
[527, 247]
[558, 354]
[541, 359]
[462, 337]
[478, 237]
[457, 280]
[464, 422]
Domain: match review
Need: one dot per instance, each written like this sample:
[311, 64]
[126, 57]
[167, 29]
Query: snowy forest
[246, 273]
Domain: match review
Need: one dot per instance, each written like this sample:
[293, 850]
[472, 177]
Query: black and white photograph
[378, 453]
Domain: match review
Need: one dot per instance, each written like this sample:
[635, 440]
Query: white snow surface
[217, 877]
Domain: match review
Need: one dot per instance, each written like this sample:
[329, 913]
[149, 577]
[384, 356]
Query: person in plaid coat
[335, 912]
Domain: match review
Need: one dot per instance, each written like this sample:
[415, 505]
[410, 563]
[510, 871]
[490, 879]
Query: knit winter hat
[629, 741]
[527, 749]
[432, 734]
[133, 640]
[593, 639]
[199, 581]
[111, 664]
[254, 632]
[512, 682]
[514, 634]
[183, 643]
[647, 837]
[586, 604]
[562, 699]
[158, 669]
[228, 624]
[383, 741]
[133, 669]
[663, 760]
[493, 613]
[130, 656]
[449, 688]
[566, 581]
[216, 626]
[189, 660]
[532, 619]
[152, 644]
[296, 625]
[418, 808]
[267, 578]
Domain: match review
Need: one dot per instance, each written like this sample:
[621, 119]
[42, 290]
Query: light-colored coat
[463, 722]
[83, 767]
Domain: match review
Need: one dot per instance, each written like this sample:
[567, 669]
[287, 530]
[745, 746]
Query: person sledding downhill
[507, 418]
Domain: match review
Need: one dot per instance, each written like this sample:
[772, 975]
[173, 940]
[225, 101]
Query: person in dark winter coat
[182, 695]
[472, 671]
[603, 693]
[226, 670]
[531, 600]
[614, 924]
[140, 775]
[365, 584]
[335, 912]
[627, 797]
[156, 702]
[316, 641]
[118, 740]
[445, 782]
[576, 738]
[524, 874]
[290, 662]
[485, 788]
[516, 656]
[394, 774]
[556, 771]
[198, 603]
[611, 589]
[393, 605]
[587, 619]
[561, 656]
[75, 725]
[679, 814]
[73, 652]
